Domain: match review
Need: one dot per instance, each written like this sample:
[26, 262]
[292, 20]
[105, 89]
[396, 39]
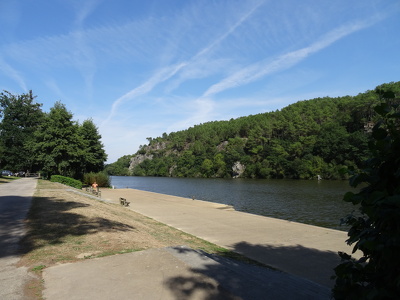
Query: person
[95, 185]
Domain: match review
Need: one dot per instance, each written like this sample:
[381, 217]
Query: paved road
[15, 200]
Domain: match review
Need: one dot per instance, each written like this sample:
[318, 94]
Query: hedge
[67, 181]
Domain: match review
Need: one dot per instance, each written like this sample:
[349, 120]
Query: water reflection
[312, 202]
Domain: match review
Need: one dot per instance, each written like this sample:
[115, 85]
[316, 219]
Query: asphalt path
[15, 201]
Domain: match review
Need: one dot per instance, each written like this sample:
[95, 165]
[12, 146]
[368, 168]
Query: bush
[101, 178]
[67, 181]
[376, 233]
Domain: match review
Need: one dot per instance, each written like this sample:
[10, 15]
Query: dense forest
[320, 136]
[51, 143]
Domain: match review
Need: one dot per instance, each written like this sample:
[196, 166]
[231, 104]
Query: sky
[139, 68]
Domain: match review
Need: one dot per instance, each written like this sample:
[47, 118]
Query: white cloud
[199, 111]
[83, 10]
[12, 73]
[262, 68]
[160, 76]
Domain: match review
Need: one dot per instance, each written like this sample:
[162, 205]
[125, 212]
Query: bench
[91, 190]
[97, 192]
[123, 202]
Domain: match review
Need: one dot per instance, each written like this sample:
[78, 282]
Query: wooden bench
[97, 192]
[91, 190]
[123, 202]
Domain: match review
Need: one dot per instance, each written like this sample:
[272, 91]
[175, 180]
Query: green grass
[38, 268]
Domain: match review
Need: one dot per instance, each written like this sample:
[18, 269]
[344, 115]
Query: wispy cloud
[189, 69]
[205, 105]
[12, 73]
[10, 16]
[83, 10]
[230, 30]
[159, 77]
[262, 68]
[84, 57]
[172, 65]
[201, 110]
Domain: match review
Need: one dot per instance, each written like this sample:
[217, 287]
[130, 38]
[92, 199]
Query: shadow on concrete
[241, 280]
[13, 210]
[48, 219]
[313, 264]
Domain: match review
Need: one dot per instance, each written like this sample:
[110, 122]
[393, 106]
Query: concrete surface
[173, 273]
[303, 250]
[305, 253]
[15, 200]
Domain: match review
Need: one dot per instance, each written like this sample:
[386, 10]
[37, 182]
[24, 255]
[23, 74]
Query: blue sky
[142, 68]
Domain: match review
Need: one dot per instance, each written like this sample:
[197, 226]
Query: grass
[67, 227]
[7, 179]
[38, 268]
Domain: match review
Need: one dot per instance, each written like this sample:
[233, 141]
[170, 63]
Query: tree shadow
[241, 280]
[49, 219]
[313, 264]
[13, 210]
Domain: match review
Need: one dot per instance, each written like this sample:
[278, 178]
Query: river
[311, 202]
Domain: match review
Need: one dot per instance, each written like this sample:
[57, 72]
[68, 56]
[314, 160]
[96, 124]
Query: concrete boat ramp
[302, 257]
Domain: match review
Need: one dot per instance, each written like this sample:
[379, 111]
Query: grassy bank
[67, 227]
[7, 179]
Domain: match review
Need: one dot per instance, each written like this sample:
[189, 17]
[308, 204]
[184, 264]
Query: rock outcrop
[238, 169]
[138, 159]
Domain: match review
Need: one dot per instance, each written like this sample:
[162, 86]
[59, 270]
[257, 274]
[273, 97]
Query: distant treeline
[321, 136]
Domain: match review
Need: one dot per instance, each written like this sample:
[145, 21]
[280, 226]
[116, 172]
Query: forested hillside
[308, 138]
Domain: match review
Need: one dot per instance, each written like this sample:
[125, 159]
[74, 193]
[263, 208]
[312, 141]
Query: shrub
[67, 181]
[376, 233]
[101, 178]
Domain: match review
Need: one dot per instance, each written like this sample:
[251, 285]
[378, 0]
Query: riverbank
[65, 227]
[318, 203]
[303, 250]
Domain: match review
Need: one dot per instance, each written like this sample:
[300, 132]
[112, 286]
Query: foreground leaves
[376, 233]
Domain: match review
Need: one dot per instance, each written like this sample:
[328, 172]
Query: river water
[311, 202]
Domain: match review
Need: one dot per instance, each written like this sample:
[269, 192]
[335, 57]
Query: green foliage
[308, 138]
[67, 181]
[120, 167]
[101, 178]
[93, 149]
[58, 146]
[53, 143]
[376, 232]
[38, 268]
[21, 116]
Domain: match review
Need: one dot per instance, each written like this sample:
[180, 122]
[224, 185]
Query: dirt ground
[64, 226]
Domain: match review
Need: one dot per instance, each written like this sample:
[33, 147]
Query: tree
[93, 149]
[21, 116]
[308, 138]
[376, 233]
[207, 167]
[59, 147]
[332, 143]
[120, 167]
